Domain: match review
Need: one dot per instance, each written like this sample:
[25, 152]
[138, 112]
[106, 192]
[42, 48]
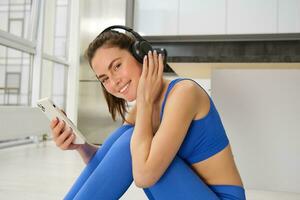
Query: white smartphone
[52, 111]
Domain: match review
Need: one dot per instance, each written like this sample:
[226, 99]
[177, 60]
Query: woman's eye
[117, 66]
[104, 80]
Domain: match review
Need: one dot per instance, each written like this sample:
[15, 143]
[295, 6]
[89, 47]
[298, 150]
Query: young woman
[172, 142]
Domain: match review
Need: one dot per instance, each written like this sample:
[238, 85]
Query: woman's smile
[125, 89]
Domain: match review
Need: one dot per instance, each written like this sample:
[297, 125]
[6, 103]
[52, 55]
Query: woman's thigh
[180, 182]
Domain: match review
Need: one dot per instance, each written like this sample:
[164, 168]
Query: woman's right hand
[63, 135]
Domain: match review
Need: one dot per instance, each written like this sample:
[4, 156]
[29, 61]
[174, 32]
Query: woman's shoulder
[181, 92]
[188, 88]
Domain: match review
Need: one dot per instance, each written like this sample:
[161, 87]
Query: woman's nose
[116, 81]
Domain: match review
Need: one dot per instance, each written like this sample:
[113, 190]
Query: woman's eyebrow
[109, 67]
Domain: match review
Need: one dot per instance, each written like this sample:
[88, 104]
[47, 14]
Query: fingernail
[149, 52]
[155, 52]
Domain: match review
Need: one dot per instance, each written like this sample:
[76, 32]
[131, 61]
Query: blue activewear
[205, 136]
[109, 172]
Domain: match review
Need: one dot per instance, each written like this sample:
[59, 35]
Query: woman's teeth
[124, 88]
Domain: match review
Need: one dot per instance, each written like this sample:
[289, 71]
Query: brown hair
[111, 39]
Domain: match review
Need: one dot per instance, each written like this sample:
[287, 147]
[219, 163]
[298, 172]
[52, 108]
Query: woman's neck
[163, 91]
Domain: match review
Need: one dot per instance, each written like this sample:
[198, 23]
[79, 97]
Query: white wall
[213, 17]
[260, 110]
[251, 16]
[156, 17]
[202, 17]
[21, 122]
[288, 16]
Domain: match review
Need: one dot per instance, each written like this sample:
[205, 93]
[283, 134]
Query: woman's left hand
[151, 80]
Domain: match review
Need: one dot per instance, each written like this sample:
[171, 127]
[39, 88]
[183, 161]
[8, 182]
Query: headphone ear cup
[139, 49]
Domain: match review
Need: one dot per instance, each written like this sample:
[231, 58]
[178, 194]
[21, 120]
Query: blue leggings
[108, 175]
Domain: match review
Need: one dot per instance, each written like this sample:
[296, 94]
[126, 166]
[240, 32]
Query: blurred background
[244, 53]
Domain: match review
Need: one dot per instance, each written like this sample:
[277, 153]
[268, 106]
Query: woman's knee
[122, 144]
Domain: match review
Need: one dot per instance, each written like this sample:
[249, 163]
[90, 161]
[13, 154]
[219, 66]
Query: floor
[42, 171]
[32, 171]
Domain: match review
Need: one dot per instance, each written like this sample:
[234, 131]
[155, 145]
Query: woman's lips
[124, 90]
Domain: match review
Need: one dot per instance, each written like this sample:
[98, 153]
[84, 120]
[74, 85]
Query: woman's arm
[141, 143]
[86, 151]
[151, 155]
[64, 137]
[152, 152]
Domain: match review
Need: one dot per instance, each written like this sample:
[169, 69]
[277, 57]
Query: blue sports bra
[205, 136]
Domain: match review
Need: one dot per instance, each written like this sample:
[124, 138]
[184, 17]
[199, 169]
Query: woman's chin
[130, 99]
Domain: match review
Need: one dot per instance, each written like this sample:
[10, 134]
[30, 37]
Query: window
[34, 61]
[15, 17]
[54, 82]
[56, 31]
[15, 76]
[18, 42]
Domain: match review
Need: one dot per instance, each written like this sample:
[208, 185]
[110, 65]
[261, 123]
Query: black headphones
[140, 47]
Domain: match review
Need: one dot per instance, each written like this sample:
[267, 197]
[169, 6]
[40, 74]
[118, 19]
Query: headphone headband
[128, 29]
[141, 47]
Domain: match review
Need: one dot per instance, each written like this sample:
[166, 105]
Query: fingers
[155, 61]
[150, 64]
[153, 67]
[57, 129]
[160, 70]
[63, 139]
[67, 139]
[63, 136]
[145, 66]
[53, 123]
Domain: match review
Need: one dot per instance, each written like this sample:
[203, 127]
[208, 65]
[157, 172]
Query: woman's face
[118, 71]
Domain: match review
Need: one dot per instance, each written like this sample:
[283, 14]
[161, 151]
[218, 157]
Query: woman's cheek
[108, 89]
